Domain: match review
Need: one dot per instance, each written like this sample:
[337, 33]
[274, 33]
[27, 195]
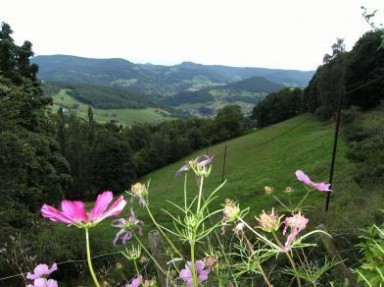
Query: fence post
[224, 162]
[334, 253]
[158, 251]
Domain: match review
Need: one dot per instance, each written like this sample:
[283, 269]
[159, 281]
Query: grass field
[263, 157]
[121, 116]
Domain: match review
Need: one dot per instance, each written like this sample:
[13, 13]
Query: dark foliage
[365, 72]
[277, 107]
[201, 96]
[356, 76]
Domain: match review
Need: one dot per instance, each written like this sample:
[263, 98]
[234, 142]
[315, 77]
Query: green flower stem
[294, 268]
[150, 255]
[162, 233]
[263, 238]
[138, 272]
[193, 267]
[289, 258]
[303, 199]
[89, 258]
[200, 194]
[258, 263]
[185, 191]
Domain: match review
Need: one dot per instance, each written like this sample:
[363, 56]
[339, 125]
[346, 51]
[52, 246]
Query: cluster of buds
[231, 213]
[140, 192]
[133, 253]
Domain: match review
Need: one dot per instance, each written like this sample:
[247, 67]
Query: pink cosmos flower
[186, 273]
[42, 282]
[73, 212]
[320, 186]
[41, 270]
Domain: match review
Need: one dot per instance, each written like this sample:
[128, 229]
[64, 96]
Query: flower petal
[53, 214]
[115, 209]
[41, 270]
[199, 264]
[75, 210]
[42, 282]
[321, 186]
[184, 168]
[185, 274]
[204, 160]
[203, 275]
[117, 236]
[101, 205]
[301, 176]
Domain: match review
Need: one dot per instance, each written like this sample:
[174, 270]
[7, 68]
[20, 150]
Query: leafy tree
[228, 122]
[113, 167]
[365, 71]
[32, 169]
[277, 107]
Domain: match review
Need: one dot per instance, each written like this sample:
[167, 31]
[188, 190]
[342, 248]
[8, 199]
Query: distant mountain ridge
[156, 80]
[191, 88]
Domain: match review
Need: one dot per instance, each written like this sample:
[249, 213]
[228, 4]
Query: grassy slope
[123, 116]
[264, 157]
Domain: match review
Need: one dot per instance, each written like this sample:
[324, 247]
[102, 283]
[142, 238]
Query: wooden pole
[224, 162]
[334, 253]
[336, 136]
[158, 252]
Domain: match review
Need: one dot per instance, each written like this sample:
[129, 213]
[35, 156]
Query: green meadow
[121, 116]
[265, 157]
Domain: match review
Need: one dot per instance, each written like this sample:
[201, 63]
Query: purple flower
[202, 274]
[42, 282]
[41, 270]
[320, 186]
[127, 227]
[201, 166]
[135, 282]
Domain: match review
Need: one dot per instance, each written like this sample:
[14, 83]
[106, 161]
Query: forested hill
[156, 80]
[248, 91]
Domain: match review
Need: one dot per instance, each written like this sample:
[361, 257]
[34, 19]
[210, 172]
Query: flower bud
[269, 221]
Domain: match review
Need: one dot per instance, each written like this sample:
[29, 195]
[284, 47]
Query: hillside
[269, 156]
[123, 116]
[193, 89]
[155, 80]
[245, 93]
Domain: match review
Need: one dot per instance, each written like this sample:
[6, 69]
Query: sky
[280, 34]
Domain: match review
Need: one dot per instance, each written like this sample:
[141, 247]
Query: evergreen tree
[32, 168]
